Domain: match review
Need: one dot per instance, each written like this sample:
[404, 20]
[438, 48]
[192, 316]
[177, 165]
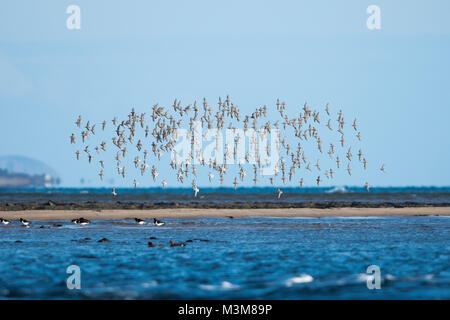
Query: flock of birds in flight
[164, 135]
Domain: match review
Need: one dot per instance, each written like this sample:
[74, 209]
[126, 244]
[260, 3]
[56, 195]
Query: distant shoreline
[235, 213]
[129, 205]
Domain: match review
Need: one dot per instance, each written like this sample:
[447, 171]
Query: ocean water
[241, 258]
[421, 195]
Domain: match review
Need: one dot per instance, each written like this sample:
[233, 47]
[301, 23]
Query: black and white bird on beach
[158, 223]
[24, 222]
[81, 221]
[139, 221]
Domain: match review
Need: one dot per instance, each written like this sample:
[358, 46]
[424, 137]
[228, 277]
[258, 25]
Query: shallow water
[255, 258]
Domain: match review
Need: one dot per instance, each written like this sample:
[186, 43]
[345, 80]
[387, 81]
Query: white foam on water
[363, 277]
[228, 285]
[303, 278]
[337, 190]
[428, 276]
[149, 284]
[224, 285]
[390, 277]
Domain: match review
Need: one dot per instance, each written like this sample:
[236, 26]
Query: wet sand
[236, 213]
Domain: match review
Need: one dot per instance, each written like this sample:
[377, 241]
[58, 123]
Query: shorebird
[78, 122]
[279, 193]
[158, 223]
[174, 244]
[72, 138]
[301, 183]
[349, 154]
[81, 221]
[152, 245]
[139, 221]
[367, 187]
[242, 174]
[235, 183]
[4, 221]
[24, 222]
[164, 183]
[114, 192]
[383, 169]
[154, 173]
[318, 180]
[196, 190]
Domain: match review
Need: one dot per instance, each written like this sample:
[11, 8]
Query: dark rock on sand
[203, 240]
[152, 245]
[175, 244]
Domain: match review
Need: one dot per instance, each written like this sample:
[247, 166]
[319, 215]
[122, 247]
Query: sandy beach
[196, 213]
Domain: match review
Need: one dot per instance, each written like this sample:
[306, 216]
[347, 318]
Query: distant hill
[20, 171]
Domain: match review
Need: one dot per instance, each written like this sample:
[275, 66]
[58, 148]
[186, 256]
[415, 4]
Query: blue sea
[423, 195]
[240, 258]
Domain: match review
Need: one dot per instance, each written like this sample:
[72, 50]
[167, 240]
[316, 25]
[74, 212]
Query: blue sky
[137, 53]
